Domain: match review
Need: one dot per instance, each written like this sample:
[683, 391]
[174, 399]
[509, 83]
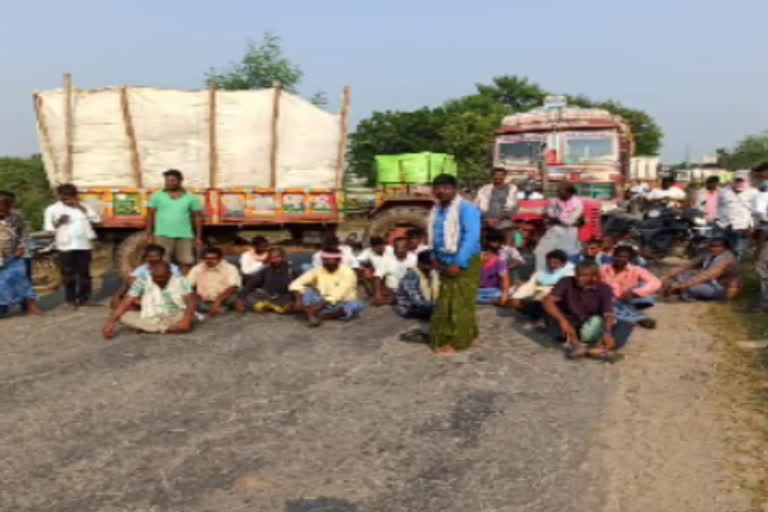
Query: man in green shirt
[170, 219]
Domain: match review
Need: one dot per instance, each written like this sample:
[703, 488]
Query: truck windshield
[590, 147]
[524, 151]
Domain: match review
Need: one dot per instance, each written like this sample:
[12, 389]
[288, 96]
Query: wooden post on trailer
[213, 153]
[344, 121]
[45, 135]
[69, 128]
[131, 134]
[275, 143]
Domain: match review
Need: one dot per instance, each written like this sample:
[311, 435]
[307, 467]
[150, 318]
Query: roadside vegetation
[26, 178]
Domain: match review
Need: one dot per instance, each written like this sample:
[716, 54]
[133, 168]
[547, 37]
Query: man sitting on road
[419, 289]
[592, 251]
[633, 287]
[333, 243]
[417, 240]
[494, 274]
[328, 292]
[386, 278]
[714, 276]
[216, 282]
[583, 308]
[528, 296]
[152, 254]
[267, 289]
[165, 303]
[371, 260]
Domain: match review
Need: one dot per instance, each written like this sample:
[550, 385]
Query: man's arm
[150, 225]
[185, 324]
[198, 228]
[471, 226]
[705, 276]
[552, 309]
[651, 283]
[504, 289]
[90, 213]
[680, 270]
[110, 328]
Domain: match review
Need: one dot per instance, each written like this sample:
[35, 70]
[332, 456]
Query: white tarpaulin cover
[172, 132]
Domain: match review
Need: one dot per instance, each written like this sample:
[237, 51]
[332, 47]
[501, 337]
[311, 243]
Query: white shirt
[673, 193]
[392, 269]
[533, 196]
[760, 207]
[368, 255]
[76, 234]
[347, 258]
[736, 209]
[249, 264]
[421, 248]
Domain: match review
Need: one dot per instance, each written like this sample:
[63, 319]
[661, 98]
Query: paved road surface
[262, 413]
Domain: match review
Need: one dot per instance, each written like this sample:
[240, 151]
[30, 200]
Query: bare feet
[70, 307]
[445, 351]
[313, 320]
[34, 309]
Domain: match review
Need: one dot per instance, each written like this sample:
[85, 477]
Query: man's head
[416, 237]
[331, 242]
[6, 203]
[161, 273]
[400, 247]
[444, 187]
[425, 261]
[212, 256]
[173, 179]
[494, 239]
[276, 257]
[587, 274]
[498, 176]
[556, 260]
[593, 247]
[566, 191]
[331, 257]
[609, 242]
[378, 245]
[718, 246]
[667, 182]
[260, 244]
[10, 195]
[712, 183]
[67, 194]
[154, 253]
[622, 256]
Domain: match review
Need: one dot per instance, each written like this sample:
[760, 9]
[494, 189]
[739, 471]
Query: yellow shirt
[211, 282]
[339, 286]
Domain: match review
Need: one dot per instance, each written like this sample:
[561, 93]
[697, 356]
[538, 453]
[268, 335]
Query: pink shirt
[634, 278]
[710, 207]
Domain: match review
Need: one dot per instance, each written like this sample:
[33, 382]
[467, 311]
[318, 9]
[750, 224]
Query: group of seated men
[603, 291]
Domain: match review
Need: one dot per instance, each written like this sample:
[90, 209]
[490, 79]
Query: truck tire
[130, 252]
[46, 274]
[399, 216]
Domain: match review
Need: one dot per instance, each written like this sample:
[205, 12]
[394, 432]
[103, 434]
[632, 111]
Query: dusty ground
[264, 414]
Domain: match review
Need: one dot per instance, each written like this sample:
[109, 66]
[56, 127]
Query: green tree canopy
[262, 65]
[748, 153]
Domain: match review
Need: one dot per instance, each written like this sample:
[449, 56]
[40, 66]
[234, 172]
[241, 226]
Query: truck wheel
[130, 252]
[46, 275]
[386, 221]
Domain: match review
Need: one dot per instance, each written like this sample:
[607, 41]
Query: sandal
[575, 351]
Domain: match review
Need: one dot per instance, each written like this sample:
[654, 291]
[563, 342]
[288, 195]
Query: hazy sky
[698, 66]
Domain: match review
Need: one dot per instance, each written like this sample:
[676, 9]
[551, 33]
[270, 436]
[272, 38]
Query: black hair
[498, 169]
[444, 179]
[331, 239]
[258, 240]
[67, 190]
[6, 201]
[213, 250]
[400, 239]
[588, 265]
[761, 167]
[557, 254]
[174, 173]
[627, 249]
[494, 235]
[569, 187]
[425, 258]
[8, 194]
[713, 179]
[414, 232]
[154, 248]
[377, 240]
[667, 179]
[593, 241]
[161, 264]
[720, 241]
[278, 250]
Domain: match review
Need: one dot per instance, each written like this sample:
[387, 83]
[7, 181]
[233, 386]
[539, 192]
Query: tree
[516, 93]
[748, 153]
[262, 66]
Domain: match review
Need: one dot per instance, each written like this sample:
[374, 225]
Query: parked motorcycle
[663, 231]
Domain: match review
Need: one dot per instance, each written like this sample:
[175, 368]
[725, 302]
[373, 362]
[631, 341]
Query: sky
[698, 67]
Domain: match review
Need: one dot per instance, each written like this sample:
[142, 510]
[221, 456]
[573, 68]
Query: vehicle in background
[257, 158]
[590, 148]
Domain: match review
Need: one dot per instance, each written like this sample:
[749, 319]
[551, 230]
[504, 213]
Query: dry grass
[744, 381]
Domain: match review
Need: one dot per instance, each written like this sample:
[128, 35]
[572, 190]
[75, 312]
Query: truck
[588, 147]
[256, 158]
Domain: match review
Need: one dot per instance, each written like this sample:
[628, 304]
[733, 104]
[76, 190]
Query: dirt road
[264, 414]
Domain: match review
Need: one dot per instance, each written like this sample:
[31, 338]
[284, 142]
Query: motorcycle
[663, 231]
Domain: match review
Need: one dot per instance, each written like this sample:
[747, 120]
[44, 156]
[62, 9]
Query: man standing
[454, 232]
[735, 214]
[668, 194]
[216, 282]
[15, 285]
[708, 198]
[565, 215]
[760, 177]
[71, 221]
[498, 203]
[170, 218]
